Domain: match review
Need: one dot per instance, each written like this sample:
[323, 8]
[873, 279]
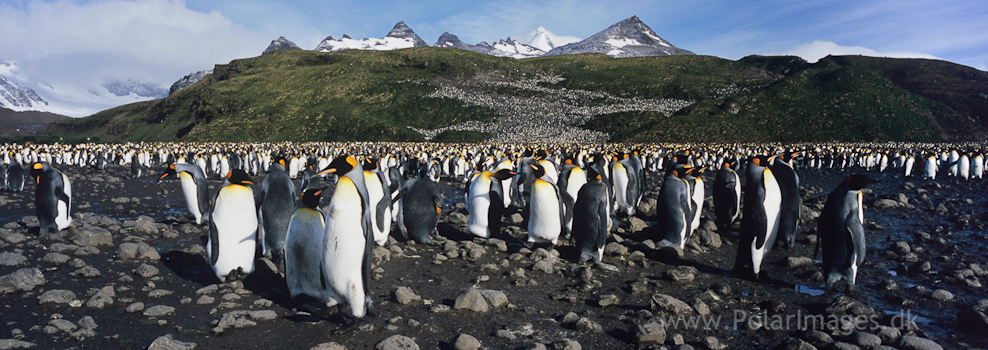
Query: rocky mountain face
[193, 78]
[280, 44]
[627, 38]
[400, 37]
[140, 88]
[25, 123]
[450, 40]
[16, 96]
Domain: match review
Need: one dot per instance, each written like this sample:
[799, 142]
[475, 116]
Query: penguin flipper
[214, 247]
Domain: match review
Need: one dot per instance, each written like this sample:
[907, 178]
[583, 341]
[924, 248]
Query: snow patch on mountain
[281, 44]
[627, 38]
[400, 37]
[189, 79]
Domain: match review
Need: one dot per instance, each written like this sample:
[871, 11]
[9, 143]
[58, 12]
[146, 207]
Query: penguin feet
[235, 275]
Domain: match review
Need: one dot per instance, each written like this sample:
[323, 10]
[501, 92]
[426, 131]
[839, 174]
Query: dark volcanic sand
[537, 300]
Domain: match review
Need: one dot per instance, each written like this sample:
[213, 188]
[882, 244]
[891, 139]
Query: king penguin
[673, 208]
[842, 233]
[727, 195]
[420, 206]
[52, 198]
[697, 194]
[232, 239]
[15, 176]
[791, 200]
[275, 205]
[590, 218]
[380, 200]
[545, 218]
[348, 239]
[760, 219]
[571, 179]
[304, 248]
[625, 183]
[485, 199]
[194, 189]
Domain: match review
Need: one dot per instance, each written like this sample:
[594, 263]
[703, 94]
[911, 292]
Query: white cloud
[67, 48]
[814, 51]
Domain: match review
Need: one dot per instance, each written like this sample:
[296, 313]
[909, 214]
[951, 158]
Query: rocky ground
[131, 273]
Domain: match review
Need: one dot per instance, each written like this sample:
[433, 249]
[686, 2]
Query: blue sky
[66, 47]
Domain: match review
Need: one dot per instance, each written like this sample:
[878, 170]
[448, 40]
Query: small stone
[669, 304]
[863, 339]
[680, 274]
[567, 344]
[713, 343]
[888, 335]
[544, 266]
[166, 342]
[466, 342]
[158, 311]
[614, 248]
[397, 342]
[404, 295]
[798, 261]
[205, 299]
[56, 296]
[135, 307]
[471, 299]
[589, 326]
[329, 346]
[636, 224]
[650, 333]
[146, 271]
[15, 344]
[11, 259]
[63, 325]
[263, 315]
[55, 258]
[700, 307]
[607, 300]
[22, 280]
[942, 295]
[796, 344]
[494, 298]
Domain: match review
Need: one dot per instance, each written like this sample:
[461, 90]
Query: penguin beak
[327, 171]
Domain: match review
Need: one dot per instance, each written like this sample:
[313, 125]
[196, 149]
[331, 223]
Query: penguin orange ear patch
[38, 166]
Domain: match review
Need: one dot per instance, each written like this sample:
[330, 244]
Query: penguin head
[537, 170]
[503, 174]
[762, 160]
[370, 163]
[858, 181]
[311, 197]
[592, 174]
[695, 171]
[37, 169]
[340, 165]
[239, 177]
[170, 171]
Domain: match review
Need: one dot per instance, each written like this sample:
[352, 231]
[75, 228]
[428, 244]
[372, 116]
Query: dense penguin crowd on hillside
[316, 211]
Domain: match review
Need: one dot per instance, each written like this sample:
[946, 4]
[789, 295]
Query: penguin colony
[563, 192]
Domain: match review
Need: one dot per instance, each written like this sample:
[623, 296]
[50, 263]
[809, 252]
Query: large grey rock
[397, 342]
[329, 346]
[588, 326]
[102, 298]
[471, 299]
[145, 225]
[908, 342]
[466, 342]
[11, 259]
[863, 339]
[159, 310]
[56, 296]
[21, 280]
[15, 344]
[796, 344]
[166, 342]
[495, 298]
[146, 271]
[92, 236]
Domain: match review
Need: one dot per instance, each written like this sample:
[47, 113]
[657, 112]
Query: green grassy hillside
[376, 96]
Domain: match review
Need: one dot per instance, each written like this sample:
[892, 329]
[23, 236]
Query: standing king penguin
[304, 249]
[275, 205]
[760, 219]
[842, 232]
[52, 198]
[232, 236]
[194, 189]
[545, 218]
[485, 199]
[348, 238]
[380, 200]
[673, 208]
[590, 219]
[420, 206]
[791, 200]
[727, 195]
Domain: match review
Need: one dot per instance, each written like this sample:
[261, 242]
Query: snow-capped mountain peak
[400, 37]
[12, 94]
[627, 38]
[545, 40]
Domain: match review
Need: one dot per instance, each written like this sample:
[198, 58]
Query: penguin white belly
[910, 163]
[63, 217]
[978, 167]
[506, 189]
[577, 179]
[191, 195]
[698, 194]
[236, 224]
[543, 221]
[375, 192]
[621, 187]
[480, 206]
[930, 170]
[737, 191]
[964, 167]
[304, 254]
[344, 244]
[772, 203]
